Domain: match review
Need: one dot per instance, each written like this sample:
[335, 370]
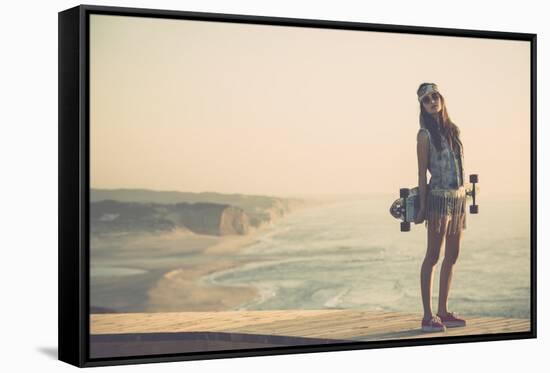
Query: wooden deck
[351, 325]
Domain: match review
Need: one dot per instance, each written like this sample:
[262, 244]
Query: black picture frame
[74, 182]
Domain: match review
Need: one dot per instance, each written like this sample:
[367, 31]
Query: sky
[201, 106]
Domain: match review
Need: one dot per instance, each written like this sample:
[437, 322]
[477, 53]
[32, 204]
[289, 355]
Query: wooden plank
[305, 325]
[193, 321]
[311, 328]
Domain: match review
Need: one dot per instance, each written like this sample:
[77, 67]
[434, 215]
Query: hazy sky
[232, 108]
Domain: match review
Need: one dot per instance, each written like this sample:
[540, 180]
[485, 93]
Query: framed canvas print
[235, 186]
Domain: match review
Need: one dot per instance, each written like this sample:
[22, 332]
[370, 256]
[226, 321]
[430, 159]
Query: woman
[442, 201]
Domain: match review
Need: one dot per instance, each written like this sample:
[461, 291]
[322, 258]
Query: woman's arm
[422, 150]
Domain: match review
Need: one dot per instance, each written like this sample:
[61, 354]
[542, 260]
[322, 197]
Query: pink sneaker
[451, 320]
[433, 325]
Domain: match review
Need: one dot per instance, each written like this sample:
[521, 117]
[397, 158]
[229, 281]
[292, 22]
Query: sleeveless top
[445, 166]
[446, 191]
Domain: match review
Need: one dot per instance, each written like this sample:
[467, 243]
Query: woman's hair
[448, 129]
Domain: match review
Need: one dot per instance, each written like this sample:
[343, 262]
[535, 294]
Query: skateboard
[407, 205]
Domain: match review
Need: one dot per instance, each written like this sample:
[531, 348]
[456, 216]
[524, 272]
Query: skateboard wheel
[474, 209]
[405, 226]
[473, 178]
[403, 193]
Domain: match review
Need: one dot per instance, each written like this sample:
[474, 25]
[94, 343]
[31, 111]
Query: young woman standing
[442, 201]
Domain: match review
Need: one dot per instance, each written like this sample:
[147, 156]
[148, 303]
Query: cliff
[110, 216]
[206, 213]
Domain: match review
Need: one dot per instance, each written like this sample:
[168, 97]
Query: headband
[426, 89]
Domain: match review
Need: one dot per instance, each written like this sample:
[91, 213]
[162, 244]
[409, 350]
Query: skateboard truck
[474, 209]
[405, 225]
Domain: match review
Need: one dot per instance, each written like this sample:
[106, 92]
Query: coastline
[166, 295]
[171, 270]
[172, 266]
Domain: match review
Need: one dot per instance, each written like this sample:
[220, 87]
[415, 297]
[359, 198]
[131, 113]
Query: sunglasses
[431, 97]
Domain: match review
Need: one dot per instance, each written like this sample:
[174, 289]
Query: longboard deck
[406, 207]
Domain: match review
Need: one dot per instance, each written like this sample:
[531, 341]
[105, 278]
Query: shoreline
[174, 267]
[201, 295]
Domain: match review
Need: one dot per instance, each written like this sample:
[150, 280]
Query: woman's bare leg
[435, 241]
[452, 247]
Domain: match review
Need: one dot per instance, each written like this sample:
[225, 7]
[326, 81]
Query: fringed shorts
[446, 205]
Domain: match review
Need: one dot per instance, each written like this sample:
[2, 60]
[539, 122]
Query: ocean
[352, 254]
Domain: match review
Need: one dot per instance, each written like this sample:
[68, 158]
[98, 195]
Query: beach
[182, 288]
[162, 272]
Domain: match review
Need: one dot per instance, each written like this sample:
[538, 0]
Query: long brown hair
[448, 129]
